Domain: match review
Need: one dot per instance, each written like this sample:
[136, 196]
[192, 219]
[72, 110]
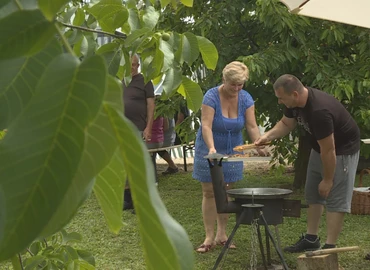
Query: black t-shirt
[134, 99]
[324, 115]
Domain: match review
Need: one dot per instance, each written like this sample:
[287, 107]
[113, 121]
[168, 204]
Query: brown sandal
[203, 248]
[223, 243]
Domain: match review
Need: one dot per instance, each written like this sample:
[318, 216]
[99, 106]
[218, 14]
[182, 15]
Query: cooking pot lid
[258, 193]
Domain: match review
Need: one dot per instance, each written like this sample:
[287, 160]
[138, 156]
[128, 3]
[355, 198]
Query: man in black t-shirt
[333, 160]
[138, 99]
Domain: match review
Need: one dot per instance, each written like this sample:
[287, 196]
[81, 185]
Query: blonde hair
[235, 72]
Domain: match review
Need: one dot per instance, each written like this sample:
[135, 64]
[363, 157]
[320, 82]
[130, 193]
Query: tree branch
[116, 33]
[20, 261]
[30, 252]
[64, 40]
[17, 262]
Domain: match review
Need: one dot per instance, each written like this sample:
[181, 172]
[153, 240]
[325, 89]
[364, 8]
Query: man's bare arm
[328, 157]
[147, 133]
[150, 106]
[281, 129]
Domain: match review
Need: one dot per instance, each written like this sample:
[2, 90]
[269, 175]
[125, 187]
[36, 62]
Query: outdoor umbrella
[355, 12]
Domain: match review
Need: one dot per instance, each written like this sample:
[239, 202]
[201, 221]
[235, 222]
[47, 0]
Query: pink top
[157, 130]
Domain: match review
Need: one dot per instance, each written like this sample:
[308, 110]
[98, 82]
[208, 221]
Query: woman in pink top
[158, 128]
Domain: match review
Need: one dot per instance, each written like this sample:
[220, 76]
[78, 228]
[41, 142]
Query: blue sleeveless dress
[227, 133]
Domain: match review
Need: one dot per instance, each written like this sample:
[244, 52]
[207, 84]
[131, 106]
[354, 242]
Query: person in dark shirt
[333, 160]
[138, 100]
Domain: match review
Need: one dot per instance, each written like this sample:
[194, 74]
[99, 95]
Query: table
[185, 148]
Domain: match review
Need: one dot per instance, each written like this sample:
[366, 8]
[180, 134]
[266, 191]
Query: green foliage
[66, 134]
[111, 14]
[58, 252]
[52, 7]
[30, 27]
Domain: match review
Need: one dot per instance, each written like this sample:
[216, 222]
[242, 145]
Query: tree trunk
[300, 165]
[322, 262]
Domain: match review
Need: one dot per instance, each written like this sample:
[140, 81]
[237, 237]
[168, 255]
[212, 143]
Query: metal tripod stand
[257, 214]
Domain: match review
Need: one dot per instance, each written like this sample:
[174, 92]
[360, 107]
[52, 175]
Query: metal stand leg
[226, 246]
[268, 249]
[155, 165]
[184, 157]
[278, 236]
[274, 243]
[261, 246]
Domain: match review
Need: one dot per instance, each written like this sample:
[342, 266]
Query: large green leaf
[165, 47]
[150, 17]
[81, 47]
[112, 54]
[111, 14]
[188, 3]
[73, 36]
[190, 50]
[152, 66]
[79, 18]
[124, 71]
[192, 92]
[4, 3]
[176, 43]
[136, 34]
[98, 151]
[208, 51]
[172, 79]
[42, 150]
[91, 45]
[18, 80]
[164, 3]
[108, 190]
[51, 7]
[131, 4]
[9, 6]
[165, 242]
[133, 21]
[68, 15]
[24, 32]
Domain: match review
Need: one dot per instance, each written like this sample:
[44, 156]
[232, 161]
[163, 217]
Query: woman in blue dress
[226, 110]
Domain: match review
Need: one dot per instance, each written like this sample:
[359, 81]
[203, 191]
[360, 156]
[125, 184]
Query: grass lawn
[182, 196]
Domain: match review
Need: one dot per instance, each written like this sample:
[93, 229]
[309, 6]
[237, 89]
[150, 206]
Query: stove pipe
[219, 189]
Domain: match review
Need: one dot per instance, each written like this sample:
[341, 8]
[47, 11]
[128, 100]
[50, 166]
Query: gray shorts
[340, 196]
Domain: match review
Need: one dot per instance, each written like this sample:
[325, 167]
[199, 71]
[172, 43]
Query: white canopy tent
[354, 12]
